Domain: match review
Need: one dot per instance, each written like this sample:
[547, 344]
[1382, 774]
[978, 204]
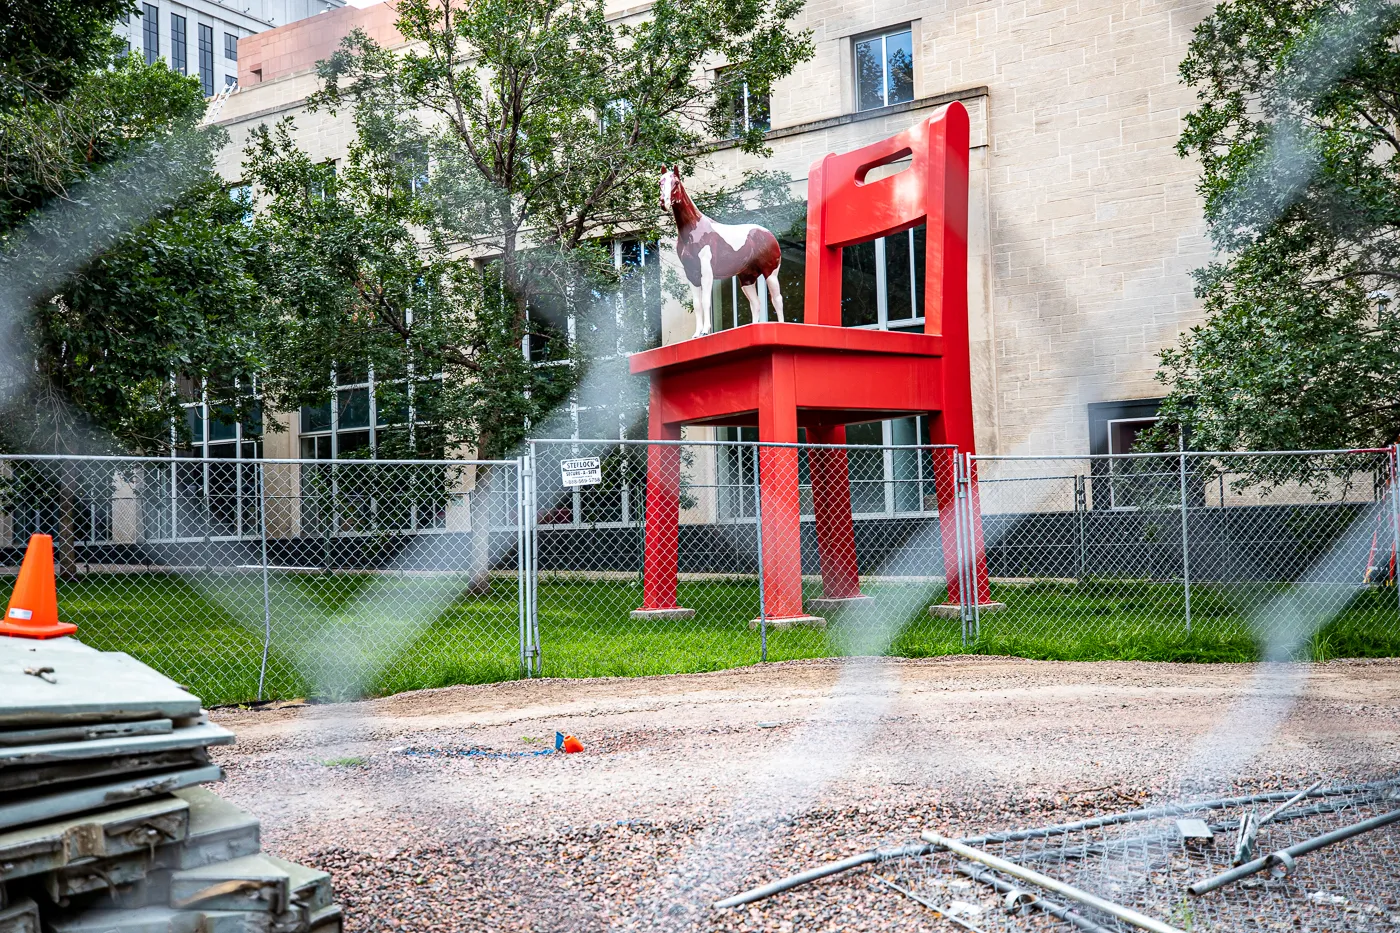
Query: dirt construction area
[440, 810]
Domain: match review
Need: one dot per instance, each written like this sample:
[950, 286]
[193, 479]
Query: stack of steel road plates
[103, 825]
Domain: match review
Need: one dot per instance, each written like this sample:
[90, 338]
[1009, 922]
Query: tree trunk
[65, 546]
[481, 514]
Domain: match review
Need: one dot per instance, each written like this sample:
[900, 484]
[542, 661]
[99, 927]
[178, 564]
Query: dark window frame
[1101, 413]
[150, 32]
[179, 43]
[206, 59]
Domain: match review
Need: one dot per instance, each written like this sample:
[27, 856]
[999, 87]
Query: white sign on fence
[582, 471]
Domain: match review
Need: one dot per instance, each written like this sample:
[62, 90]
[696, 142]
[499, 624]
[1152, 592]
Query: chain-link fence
[252, 578]
[1189, 552]
[249, 578]
[656, 567]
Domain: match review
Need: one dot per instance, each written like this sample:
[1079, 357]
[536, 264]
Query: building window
[882, 282]
[150, 33]
[884, 69]
[230, 47]
[45, 493]
[242, 195]
[210, 487]
[361, 417]
[884, 482]
[179, 59]
[230, 80]
[1120, 482]
[206, 60]
[367, 414]
[747, 109]
[416, 165]
[728, 306]
[614, 406]
[611, 329]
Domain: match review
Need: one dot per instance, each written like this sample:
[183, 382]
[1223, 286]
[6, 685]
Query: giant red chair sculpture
[821, 376]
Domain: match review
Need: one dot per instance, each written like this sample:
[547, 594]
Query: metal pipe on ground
[1250, 825]
[816, 874]
[1102, 848]
[1174, 809]
[1002, 886]
[1284, 857]
[1273, 814]
[1126, 914]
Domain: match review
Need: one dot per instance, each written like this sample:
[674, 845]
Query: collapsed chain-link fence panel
[1144, 861]
[247, 579]
[1175, 552]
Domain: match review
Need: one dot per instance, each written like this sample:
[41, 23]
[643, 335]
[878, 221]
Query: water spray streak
[720, 858]
[1284, 626]
[59, 239]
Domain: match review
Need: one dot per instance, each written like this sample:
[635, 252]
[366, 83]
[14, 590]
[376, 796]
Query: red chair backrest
[844, 209]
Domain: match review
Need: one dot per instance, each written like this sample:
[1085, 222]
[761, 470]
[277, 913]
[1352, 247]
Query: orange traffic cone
[572, 745]
[33, 611]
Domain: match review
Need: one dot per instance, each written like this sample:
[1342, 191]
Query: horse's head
[670, 184]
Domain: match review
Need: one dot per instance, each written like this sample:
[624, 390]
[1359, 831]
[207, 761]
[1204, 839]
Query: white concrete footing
[787, 622]
[674, 614]
[954, 611]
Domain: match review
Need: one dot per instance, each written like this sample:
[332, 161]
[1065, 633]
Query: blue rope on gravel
[475, 751]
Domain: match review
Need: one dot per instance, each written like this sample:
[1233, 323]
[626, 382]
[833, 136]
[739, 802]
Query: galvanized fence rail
[250, 579]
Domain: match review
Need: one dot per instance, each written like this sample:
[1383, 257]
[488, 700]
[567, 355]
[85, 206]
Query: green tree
[122, 260]
[532, 132]
[1296, 133]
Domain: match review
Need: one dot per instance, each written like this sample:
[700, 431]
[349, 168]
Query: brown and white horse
[710, 251]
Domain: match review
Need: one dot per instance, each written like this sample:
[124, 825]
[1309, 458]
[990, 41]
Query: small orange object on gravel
[572, 745]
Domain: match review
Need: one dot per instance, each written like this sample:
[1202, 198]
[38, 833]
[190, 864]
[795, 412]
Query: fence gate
[703, 604]
[589, 501]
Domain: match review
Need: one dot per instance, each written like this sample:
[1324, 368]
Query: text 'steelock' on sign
[582, 471]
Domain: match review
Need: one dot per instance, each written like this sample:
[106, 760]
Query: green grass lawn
[355, 634]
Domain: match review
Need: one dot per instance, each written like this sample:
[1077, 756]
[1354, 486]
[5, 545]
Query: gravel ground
[693, 787]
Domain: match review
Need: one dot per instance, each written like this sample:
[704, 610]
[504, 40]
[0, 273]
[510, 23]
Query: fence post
[960, 530]
[1185, 539]
[1395, 521]
[521, 559]
[267, 601]
[533, 575]
[970, 538]
[1081, 505]
[758, 531]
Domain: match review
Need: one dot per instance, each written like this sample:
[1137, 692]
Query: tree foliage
[1296, 133]
[532, 131]
[121, 256]
[353, 285]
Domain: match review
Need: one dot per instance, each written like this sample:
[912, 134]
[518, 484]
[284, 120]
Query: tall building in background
[200, 37]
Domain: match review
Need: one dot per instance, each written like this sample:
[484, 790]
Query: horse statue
[710, 251]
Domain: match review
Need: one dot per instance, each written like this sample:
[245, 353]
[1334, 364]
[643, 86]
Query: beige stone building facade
[1085, 224]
